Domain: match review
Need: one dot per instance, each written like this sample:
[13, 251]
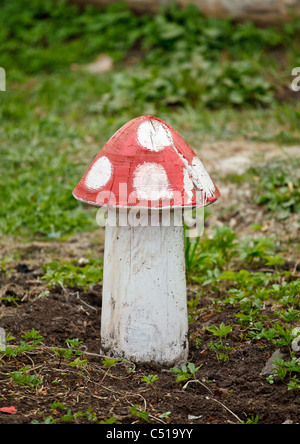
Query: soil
[224, 392]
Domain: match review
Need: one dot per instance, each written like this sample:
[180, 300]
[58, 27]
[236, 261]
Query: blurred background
[219, 71]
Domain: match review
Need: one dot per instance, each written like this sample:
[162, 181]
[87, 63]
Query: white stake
[144, 307]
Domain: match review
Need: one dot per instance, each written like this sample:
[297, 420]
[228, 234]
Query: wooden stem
[144, 307]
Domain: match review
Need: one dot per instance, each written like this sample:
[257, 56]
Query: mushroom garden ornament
[146, 176]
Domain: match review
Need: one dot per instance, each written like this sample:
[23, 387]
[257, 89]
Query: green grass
[278, 187]
[247, 275]
[209, 78]
[275, 185]
[70, 274]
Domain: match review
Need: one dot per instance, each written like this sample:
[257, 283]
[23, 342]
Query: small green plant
[78, 363]
[193, 313]
[221, 331]
[48, 420]
[218, 348]
[287, 372]
[190, 249]
[289, 315]
[32, 341]
[165, 415]
[149, 379]
[186, 372]
[139, 413]
[111, 420]
[279, 334]
[22, 377]
[58, 405]
[89, 414]
[222, 356]
[32, 335]
[70, 274]
[74, 346]
[251, 420]
[72, 350]
[258, 251]
[109, 362]
[67, 416]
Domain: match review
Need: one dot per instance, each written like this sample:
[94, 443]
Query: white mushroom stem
[144, 306]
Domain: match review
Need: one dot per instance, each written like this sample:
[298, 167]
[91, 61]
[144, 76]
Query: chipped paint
[201, 177]
[188, 186]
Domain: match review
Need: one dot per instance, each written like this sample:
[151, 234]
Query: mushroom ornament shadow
[145, 177]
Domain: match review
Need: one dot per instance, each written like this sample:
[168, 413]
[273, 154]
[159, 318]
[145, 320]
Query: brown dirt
[224, 392]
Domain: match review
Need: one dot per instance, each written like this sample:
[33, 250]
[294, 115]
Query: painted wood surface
[144, 306]
[147, 164]
[259, 11]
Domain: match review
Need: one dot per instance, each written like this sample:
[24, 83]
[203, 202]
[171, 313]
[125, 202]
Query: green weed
[275, 185]
[68, 416]
[278, 187]
[279, 334]
[72, 350]
[193, 312]
[149, 379]
[259, 251]
[139, 413]
[218, 347]
[109, 362]
[221, 331]
[70, 274]
[22, 377]
[211, 257]
[111, 420]
[78, 363]
[251, 420]
[186, 372]
[287, 372]
[50, 37]
[31, 341]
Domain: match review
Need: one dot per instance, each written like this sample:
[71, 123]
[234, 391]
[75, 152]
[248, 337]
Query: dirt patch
[227, 391]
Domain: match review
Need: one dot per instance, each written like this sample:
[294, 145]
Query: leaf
[12, 409]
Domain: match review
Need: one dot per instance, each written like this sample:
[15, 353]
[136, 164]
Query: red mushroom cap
[146, 164]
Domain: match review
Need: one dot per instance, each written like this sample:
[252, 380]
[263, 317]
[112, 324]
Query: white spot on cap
[99, 174]
[188, 185]
[201, 177]
[151, 182]
[153, 135]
